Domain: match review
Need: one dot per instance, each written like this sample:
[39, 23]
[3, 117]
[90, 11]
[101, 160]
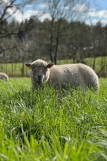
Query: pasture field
[52, 125]
[20, 68]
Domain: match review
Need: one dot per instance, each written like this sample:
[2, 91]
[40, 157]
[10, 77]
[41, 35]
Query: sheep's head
[39, 70]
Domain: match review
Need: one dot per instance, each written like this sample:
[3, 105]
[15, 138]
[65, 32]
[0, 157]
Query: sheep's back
[64, 75]
[73, 74]
[89, 75]
[3, 76]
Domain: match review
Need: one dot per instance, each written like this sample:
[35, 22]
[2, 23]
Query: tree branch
[101, 69]
[7, 49]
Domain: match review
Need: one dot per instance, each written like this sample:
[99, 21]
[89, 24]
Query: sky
[96, 12]
[102, 3]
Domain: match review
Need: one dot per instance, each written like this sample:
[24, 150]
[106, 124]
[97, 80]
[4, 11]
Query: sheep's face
[39, 71]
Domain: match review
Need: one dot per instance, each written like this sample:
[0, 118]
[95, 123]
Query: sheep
[3, 76]
[75, 75]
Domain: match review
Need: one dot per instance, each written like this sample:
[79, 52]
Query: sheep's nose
[39, 76]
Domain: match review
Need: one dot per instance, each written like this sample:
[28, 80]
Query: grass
[52, 125]
[17, 68]
[14, 69]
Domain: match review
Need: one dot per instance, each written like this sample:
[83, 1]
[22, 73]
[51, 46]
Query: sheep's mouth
[40, 81]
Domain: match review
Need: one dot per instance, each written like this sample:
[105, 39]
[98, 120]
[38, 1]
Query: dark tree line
[74, 40]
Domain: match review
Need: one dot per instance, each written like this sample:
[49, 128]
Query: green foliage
[50, 124]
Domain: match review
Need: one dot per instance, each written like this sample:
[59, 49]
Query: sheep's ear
[50, 65]
[28, 66]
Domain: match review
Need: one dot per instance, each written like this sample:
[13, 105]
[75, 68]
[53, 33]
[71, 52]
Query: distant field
[20, 68]
[52, 125]
[89, 61]
[15, 68]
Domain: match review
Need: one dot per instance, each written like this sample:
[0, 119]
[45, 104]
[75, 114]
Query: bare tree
[59, 11]
[9, 25]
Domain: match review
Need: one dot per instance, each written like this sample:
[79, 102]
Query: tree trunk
[94, 62]
[23, 70]
[12, 68]
[51, 40]
[56, 50]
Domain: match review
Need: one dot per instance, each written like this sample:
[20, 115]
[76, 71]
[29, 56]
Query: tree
[8, 25]
[59, 11]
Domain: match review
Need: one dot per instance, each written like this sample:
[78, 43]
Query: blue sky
[102, 4]
[97, 11]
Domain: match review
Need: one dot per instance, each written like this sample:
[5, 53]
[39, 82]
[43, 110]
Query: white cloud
[102, 14]
[92, 10]
[5, 1]
[30, 6]
[3, 4]
[45, 16]
[18, 16]
[93, 22]
[43, 5]
[88, 22]
[65, 8]
[29, 13]
[80, 8]
[102, 21]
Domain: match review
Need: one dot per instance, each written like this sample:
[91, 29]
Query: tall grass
[52, 125]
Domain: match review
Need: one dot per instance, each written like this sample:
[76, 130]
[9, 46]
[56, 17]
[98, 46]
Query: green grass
[17, 68]
[52, 125]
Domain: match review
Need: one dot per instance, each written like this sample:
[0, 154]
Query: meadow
[52, 125]
[18, 69]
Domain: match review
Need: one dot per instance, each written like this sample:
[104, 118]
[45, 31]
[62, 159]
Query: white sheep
[3, 76]
[75, 75]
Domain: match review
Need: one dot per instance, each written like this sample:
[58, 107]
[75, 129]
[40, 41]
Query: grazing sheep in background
[75, 75]
[3, 76]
